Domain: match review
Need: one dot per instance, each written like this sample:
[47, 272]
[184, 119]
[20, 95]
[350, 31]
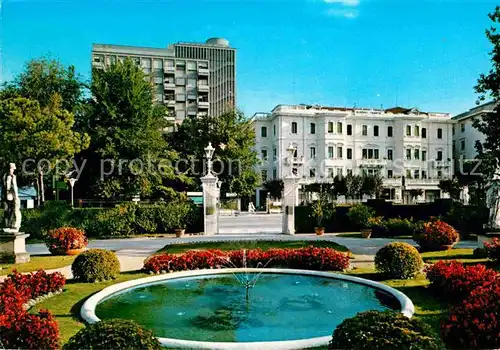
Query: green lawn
[45, 262]
[264, 245]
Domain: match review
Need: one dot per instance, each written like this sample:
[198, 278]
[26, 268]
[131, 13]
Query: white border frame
[88, 308]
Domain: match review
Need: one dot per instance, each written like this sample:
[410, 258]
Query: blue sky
[425, 54]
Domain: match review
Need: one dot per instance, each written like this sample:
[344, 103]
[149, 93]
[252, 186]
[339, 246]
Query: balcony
[203, 88]
[203, 71]
[169, 70]
[441, 163]
[170, 103]
[169, 86]
[203, 104]
[192, 112]
[428, 182]
[378, 163]
[393, 182]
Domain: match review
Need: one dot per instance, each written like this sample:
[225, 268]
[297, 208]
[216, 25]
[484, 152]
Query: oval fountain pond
[283, 306]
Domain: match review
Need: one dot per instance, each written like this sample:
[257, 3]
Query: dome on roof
[218, 42]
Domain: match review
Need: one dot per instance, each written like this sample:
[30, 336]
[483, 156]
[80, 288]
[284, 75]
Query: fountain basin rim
[87, 310]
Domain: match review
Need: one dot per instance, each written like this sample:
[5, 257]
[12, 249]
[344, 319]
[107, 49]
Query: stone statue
[11, 201]
[493, 200]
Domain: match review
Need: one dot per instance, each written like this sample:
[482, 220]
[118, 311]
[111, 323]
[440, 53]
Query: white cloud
[350, 14]
[352, 3]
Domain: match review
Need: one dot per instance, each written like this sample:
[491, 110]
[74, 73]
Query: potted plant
[320, 212]
[360, 215]
[180, 214]
[66, 241]
[437, 235]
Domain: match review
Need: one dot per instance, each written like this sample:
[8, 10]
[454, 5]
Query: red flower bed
[475, 323]
[454, 281]
[312, 258]
[493, 249]
[20, 329]
[66, 238]
[437, 235]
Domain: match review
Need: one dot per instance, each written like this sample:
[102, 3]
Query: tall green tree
[128, 152]
[233, 137]
[451, 186]
[38, 140]
[488, 88]
[274, 188]
[44, 77]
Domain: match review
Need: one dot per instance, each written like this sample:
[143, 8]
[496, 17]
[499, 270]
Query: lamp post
[72, 182]
[209, 152]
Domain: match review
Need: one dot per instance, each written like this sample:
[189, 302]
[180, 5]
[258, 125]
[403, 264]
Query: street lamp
[209, 152]
[72, 182]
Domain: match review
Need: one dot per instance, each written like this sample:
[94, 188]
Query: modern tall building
[191, 79]
[408, 148]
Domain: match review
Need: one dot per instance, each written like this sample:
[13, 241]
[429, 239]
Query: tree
[354, 184]
[274, 188]
[129, 153]
[42, 79]
[488, 88]
[416, 193]
[233, 137]
[372, 186]
[36, 139]
[451, 186]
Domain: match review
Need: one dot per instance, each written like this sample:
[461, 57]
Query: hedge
[122, 220]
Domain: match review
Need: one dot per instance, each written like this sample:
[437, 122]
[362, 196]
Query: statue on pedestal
[493, 200]
[11, 201]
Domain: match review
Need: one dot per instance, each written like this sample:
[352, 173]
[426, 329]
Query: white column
[289, 202]
[210, 194]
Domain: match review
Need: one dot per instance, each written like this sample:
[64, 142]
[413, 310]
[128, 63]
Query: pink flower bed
[309, 258]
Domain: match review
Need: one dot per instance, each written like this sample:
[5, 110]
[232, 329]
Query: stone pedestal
[210, 196]
[13, 247]
[288, 205]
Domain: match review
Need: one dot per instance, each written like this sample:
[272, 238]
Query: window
[274, 130]
[462, 127]
[349, 153]
[416, 174]
[424, 155]
[274, 153]
[417, 130]
[330, 127]
[349, 172]
[339, 152]
[263, 131]
[312, 152]
[440, 174]
[375, 130]
[424, 174]
[274, 173]
[339, 172]
[330, 172]
[389, 131]
[462, 144]
[349, 129]
[408, 130]
[294, 127]
[389, 174]
[440, 133]
[375, 153]
[313, 128]
[365, 130]
[365, 153]
[295, 171]
[339, 127]
[453, 130]
[408, 154]
[330, 152]
[424, 133]
[312, 172]
[264, 175]
[453, 146]
[295, 152]
[389, 154]
[263, 154]
[370, 154]
[439, 155]
[416, 154]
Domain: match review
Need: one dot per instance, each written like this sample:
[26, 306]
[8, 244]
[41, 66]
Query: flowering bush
[493, 249]
[475, 323]
[437, 235]
[313, 258]
[20, 329]
[65, 238]
[398, 260]
[454, 281]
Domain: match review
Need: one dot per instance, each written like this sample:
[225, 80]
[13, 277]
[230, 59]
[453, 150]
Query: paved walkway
[132, 251]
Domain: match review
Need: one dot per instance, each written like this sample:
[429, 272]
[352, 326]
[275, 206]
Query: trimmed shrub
[398, 260]
[454, 281]
[95, 265]
[437, 235]
[113, 334]
[475, 323]
[493, 249]
[384, 330]
[360, 215]
[65, 238]
[312, 258]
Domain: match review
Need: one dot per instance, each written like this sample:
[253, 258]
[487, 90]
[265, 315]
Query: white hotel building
[410, 149]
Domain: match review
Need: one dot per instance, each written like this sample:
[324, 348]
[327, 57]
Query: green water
[215, 308]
